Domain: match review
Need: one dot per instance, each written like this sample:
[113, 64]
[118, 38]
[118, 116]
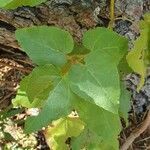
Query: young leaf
[22, 100]
[34, 89]
[58, 104]
[38, 81]
[144, 24]
[137, 57]
[45, 45]
[12, 4]
[62, 129]
[103, 123]
[98, 79]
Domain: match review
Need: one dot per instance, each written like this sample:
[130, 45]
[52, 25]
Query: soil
[75, 16]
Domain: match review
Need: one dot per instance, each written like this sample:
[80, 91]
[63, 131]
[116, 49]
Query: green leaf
[22, 100]
[79, 49]
[137, 57]
[123, 67]
[103, 123]
[146, 22]
[12, 4]
[38, 81]
[89, 84]
[34, 89]
[103, 38]
[62, 129]
[90, 141]
[58, 104]
[125, 104]
[45, 45]
[86, 140]
[8, 137]
[98, 79]
[11, 113]
[96, 86]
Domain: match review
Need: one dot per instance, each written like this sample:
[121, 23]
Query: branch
[136, 133]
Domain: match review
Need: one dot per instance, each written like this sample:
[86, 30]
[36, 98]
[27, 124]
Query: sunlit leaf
[62, 129]
[139, 55]
[98, 79]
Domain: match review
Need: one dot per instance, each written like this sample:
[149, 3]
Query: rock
[141, 99]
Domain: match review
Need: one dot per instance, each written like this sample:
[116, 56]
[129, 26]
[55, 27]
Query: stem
[112, 14]
[124, 18]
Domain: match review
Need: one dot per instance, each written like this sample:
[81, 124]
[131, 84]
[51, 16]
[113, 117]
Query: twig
[112, 13]
[147, 138]
[7, 96]
[136, 133]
